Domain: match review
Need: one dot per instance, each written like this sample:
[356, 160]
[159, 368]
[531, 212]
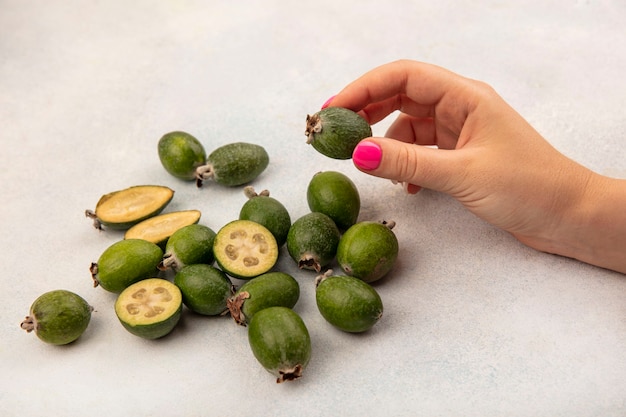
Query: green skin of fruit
[312, 241]
[368, 251]
[234, 164]
[335, 195]
[58, 317]
[126, 262]
[280, 342]
[192, 244]
[270, 213]
[180, 154]
[205, 289]
[335, 131]
[348, 303]
[267, 290]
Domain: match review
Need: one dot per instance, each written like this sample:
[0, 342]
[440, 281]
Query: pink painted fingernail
[367, 155]
[327, 102]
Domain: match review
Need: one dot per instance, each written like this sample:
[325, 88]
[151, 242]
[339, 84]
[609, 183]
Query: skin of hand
[479, 150]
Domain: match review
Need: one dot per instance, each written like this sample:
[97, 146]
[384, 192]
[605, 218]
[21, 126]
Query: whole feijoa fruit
[335, 131]
[280, 341]
[268, 211]
[58, 317]
[150, 308]
[181, 154]
[124, 263]
[205, 289]
[348, 303]
[245, 249]
[191, 244]
[267, 290]
[334, 194]
[312, 241]
[234, 164]
[158, 229]
[368, 250]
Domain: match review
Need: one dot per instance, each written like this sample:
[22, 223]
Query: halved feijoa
[280, 342]
[125, 208]
[312, 241]
[233, 164]
[268, 211]
[150, 308]
[335, 131]
[124, 263]
[180, 154]
[58, 317]
[205, 289]
[334, 194]
[158, 229]
[267, 290]
[348, 303]
[191, 244]
[245, 249]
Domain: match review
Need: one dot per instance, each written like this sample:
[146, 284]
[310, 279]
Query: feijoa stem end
[309, 261]
[234, 305]
[290, 374]
[28, 324]
[203, 173]
[94, 274]
[96, 222]
[313, 125]
[250, 192]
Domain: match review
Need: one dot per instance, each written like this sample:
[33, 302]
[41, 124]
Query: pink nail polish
[367, 155]
[327, 102]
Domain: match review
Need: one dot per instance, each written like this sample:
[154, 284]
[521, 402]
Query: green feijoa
[150, 308]
[368, 250]
[234, 164]
[312, 241]
[205, 289]
[181, 154]
[124, 263]
[268, 211]
[58, 317]
[348, 303]
[280, 342]
[335, 195]
[191, 244]
[335, 131]
[159, 229]
[267, 290]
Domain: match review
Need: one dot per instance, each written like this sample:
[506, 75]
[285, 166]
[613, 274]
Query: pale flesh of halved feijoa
[158, 229]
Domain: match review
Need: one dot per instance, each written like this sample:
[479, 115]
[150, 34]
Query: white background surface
[475, 323]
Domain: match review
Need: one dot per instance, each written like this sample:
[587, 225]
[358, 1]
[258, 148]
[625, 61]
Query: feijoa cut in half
[150, 308]
[368, 250]
[280, 341]
[205, 289]
[124, 208]
[334, 194]
[267, 290]
[158, 229]
[245, 249]
[312, 241]
[58, 317]
[191, 244]
[268, 211]
[233, 164]
[335, 131]
[348, 303]
[181, 154]
[124, 263]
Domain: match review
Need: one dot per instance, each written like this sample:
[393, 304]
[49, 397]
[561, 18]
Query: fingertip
[327, 102]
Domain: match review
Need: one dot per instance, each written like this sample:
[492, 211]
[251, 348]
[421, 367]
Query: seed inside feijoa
[245, 249]
[158, 229]
[233, 164]
[335, 131]
[180, 154]
[58, 317]
[280, 342]
[191, 244]
[268, 211]
[312, 241]
[124, 208]
[150, 308]
[124, 263]
[335, 195]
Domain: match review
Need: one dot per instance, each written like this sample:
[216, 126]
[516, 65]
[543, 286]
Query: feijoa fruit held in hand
[267, 290]
[312, 241]
[335, 195]
[150, 308]
[205, 289]
[268, 211]
[233, 164]
[280, 342]
[348, 303]
[335, 131]
[125, 208]
[191, 244]
[181, 154]
[158, 229]
[58, 317]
